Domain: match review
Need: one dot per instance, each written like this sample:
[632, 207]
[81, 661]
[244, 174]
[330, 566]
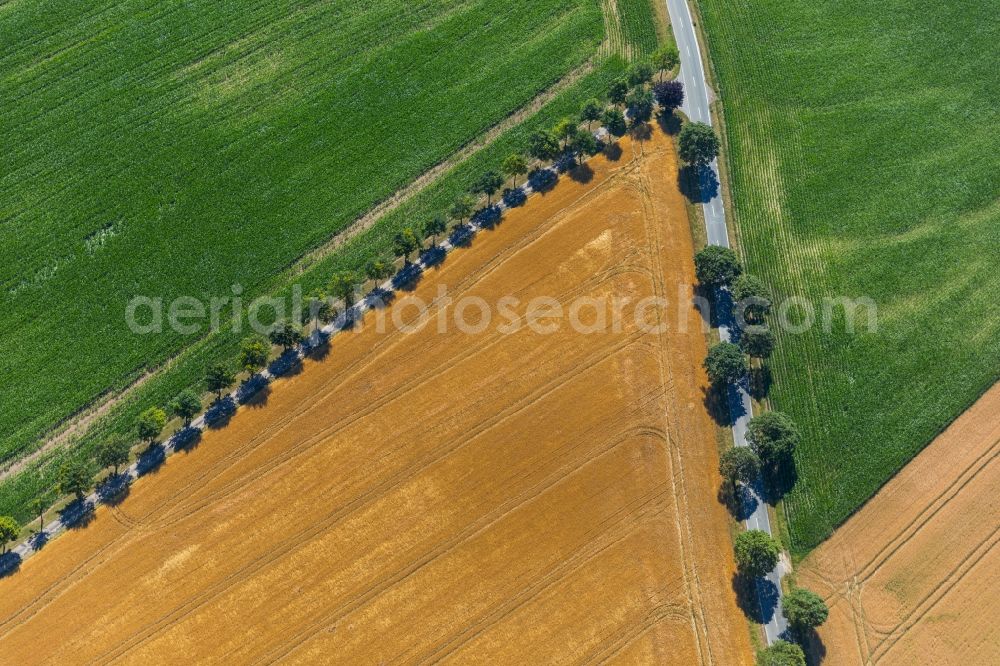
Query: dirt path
[911, 578]
[487, 497]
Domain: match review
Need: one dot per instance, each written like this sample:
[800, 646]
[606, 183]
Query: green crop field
[863, 149]
[173, 149]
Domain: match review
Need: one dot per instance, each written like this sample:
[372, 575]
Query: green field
[863, 147]
[179, 149]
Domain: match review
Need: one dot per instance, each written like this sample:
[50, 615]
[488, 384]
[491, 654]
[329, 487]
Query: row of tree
[772, 437]
[632, 101]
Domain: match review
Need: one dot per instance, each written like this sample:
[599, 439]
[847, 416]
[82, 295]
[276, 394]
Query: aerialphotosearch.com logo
[545, 315]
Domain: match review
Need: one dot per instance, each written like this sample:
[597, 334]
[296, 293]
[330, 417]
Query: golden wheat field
[912, 577]
[439, 497]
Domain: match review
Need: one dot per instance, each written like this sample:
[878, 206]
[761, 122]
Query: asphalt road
[696, 107]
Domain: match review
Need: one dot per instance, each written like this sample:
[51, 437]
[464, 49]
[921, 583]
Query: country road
[696, 107]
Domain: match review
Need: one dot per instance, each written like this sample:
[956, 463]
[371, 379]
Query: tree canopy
[614, 120]
[781, 653]
[219, 377]
[640, 105]
[406, 243]
[618, 91]
[665, 58]
[756, 552]
[565, 130]
[751, 299]
[488, 183]
[715, 265]
[462, 208]
[186, 405]
[254, 353]
[514, 165]
[76, 477]
[436, 226]
[584, 143]
[591, 111]
[669, 94]
[379, 268]
[114, 453]
[804, 609]
[150, 423]
[639, 73]
[739, 463]
[773, 436]
[543, 145]
[286, 334]
[757, 341]
[725, 363]
[697, 144]
[343, 284]
[9, 529]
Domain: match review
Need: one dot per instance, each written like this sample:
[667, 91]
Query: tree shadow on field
[254, 391]
[462, 235]
[582, 174]
[488, 217]
[287, 365]
[77, 514]
[151, 458]
[114, 489]
[669, 122]
[187, 439]
[779, 480]
[220, 413]
[408, 278]
[760, 382]
[38, 540]
[737, 499]
[612, 151]
[319, 347]
[433, 257]
[10, 562]
[716, 401]
[641, 132]
[812, 645]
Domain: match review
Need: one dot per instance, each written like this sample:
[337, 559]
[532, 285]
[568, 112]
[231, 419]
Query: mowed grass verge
[188, 366]
[862, 142]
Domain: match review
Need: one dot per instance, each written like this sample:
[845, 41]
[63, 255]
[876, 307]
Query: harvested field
[470, 498]
[911, 579]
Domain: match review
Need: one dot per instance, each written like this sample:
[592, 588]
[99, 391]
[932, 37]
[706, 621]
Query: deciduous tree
[565, 130]
[187, 404]
[739, 464]
[488, 183]
[665, 58]
[781, 653]
[804, 609]
[757, 341]
[9, 529]
[436, 226]
[725, 363]
[150, 423]
[406, 243]
[618, 91]
[640, 73]
[514, 165]
[76, 477]
[751, 299]
[543, 146]
[462, 208]
[254, 352]
[773, 436]
[669, 94]
[697, 144]
[756, 553]
[286, 335]
[614, 121]
[716, 265]
[591, 111]
[640, 105]
[218, 378]
[343, 284]
[114, 453]
[379, 268]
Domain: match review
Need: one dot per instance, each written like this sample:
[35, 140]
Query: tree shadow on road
[715, 397]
